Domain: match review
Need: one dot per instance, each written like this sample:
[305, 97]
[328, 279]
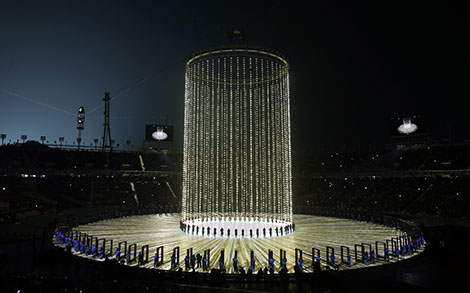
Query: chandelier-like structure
[237, 143]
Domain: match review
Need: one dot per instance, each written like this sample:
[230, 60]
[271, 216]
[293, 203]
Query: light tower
[80, 125]
[237, 149]
[107, 141]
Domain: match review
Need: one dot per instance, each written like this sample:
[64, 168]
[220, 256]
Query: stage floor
[311, 231]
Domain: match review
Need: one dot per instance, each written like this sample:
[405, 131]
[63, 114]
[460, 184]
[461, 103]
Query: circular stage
[310, 232]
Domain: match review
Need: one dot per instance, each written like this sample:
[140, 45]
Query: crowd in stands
[411, 181]
[439, 157]
[32, 156]
[23, 197]
[399, 196]
[36, 180]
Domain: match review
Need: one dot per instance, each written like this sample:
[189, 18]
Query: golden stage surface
[310, 231]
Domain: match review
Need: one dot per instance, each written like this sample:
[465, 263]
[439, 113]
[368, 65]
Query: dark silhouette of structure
[107, 142]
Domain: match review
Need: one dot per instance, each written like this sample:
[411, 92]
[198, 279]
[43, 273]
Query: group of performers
[80, 247]
[278, 231]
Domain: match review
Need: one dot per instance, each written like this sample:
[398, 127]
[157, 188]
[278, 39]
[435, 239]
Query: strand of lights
[192, 153]
[289, 158]
[212, 149]
[284, 137]
[231, 139]
[263, 145]
[198, 153]
[218, 142]
[202, 137]
[277, 170]
[237, 137]
[191, 144]
[274, 145]
[245, 145]
[271, 194]
[207, 127]
[250, 134]
[185, 143]
[256, 142]
[196, 182]
[225, 139]
[203, 140]
[279, 144]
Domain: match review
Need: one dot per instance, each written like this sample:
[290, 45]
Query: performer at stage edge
[284, 263]
[235, 263]
[271, 263]
[221, 263]
[204, 264]
[198, 258]
[128, 257]
[155, 259]
[118, 253]
[301, 264]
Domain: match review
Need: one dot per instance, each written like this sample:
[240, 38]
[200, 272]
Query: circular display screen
[407, 128]
[159, 135]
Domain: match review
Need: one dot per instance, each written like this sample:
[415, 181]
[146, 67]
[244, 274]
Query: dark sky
[353, 65]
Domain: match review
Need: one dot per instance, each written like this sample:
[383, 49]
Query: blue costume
[271, 263]
[155, 259]
[186, 262]
[221, 263]
[284, 263]
[235, 264]
[118, 254]
[301, 264]
[204, 264]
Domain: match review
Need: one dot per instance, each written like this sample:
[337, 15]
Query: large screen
[155, 132]
[407, 125]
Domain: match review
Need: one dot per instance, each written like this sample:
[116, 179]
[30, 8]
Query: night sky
[353, 65]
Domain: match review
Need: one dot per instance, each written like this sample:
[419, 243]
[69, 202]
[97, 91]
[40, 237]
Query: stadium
[233, 191]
